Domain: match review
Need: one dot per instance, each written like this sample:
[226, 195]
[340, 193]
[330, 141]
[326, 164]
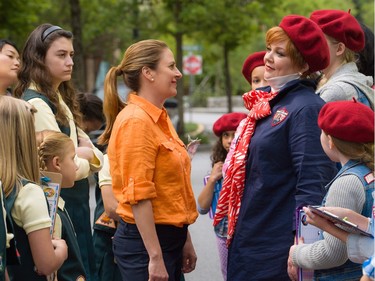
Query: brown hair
[219, 153]
[363, 152]
[91, 107]
[277, 34]
[143, 53]
[34, 70]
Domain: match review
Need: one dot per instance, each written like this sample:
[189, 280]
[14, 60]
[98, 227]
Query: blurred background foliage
[225, 31]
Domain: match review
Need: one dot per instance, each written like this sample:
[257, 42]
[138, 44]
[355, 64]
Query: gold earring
[152, 79]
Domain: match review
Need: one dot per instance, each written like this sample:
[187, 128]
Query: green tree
[19, 17]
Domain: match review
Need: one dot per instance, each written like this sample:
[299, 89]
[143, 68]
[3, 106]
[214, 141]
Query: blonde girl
[57, 154]
[25, 200]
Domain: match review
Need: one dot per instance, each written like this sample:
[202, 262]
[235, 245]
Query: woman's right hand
[157, 270]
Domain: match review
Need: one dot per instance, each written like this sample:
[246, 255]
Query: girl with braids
[149, 166]
[44, 81]
[347, 137]
[56, 154]
[26, 204]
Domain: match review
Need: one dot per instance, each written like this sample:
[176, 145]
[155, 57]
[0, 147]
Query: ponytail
[112, 104]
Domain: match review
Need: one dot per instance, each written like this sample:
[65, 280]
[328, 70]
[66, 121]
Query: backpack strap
[361, 95]
[13, 256]
[31, 94]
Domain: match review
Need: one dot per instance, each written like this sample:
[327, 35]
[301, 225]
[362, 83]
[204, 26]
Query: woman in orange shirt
[150, 167]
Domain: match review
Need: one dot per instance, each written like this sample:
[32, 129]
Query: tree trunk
[180, 84]
[79, 77]
[228, 83]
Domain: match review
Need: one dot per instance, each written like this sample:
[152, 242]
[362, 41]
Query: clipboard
[349, 226]
[311, 234]
[51, 184]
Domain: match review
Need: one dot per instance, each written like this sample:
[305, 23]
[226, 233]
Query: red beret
[252, 61]
[228, 122]
[308, 39]
[342, 26]
[348, 121]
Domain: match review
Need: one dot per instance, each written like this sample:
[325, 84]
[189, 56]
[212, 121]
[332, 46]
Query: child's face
[226, 139]
[68, 167]
[327, 146]
[257, 78]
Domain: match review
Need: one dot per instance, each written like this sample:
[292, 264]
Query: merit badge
[279, 116]
[369, 178]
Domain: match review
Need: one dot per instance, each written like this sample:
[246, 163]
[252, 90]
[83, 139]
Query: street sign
[192, 65]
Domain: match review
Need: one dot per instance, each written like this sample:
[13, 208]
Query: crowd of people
[305, 137]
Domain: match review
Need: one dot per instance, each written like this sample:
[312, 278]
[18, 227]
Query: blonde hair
[363, 152]
[144, 53]
[51, 144]
[277, 34]
[348, 55]
[18, 150]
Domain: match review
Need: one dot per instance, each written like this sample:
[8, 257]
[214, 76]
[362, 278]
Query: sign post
[192, 65]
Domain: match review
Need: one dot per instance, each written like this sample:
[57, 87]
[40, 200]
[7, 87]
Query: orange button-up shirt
[149, 161]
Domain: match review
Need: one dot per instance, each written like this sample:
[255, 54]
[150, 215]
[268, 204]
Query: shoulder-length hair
[219, 153]
[34, 70]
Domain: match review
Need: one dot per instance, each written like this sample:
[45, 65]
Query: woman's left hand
[189, 257]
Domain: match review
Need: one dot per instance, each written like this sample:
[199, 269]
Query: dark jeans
[132, 257]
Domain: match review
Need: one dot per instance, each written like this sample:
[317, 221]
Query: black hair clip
[50, 30]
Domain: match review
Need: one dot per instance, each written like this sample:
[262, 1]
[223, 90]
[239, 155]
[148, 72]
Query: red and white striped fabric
[257, 102]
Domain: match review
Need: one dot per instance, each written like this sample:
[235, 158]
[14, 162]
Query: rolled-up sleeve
[136, 158]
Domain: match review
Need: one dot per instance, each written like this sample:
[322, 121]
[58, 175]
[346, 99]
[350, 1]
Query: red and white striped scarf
[257, 102]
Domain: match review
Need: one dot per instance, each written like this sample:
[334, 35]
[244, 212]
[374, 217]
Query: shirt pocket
[167, 145]
[169, 167]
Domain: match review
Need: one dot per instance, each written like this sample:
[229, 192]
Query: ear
[56, 163]
[331, 144]
[340, 49]
[147, 73]
[304, 68]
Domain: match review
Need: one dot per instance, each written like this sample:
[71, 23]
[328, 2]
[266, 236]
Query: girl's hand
[292, 269]
[316, 220]
[84, 142]
[85, 153]
[216, 172]
[60, 248]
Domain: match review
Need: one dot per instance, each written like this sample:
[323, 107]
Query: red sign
[192, 65]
